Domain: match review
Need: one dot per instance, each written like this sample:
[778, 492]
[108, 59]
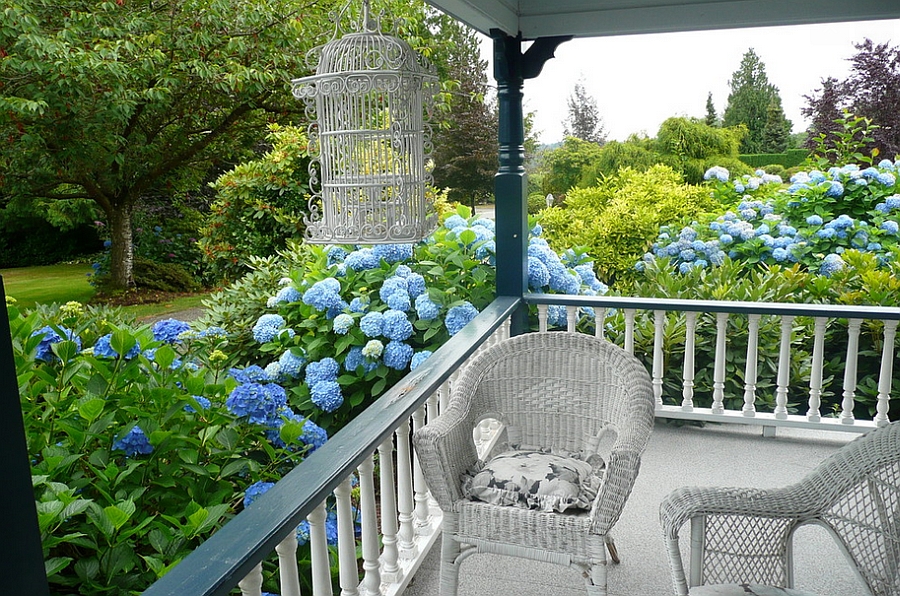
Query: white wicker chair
[561, 390]
[741, 537]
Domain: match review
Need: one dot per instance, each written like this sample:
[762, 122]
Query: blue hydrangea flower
[685, 267]
[250, 374]
[397, 355]
[426, 309]
[313, 435]
[290, 364]
[213, 331]
[418, 358]
[718, 173]
[359, 305]
[342, 324]
[336, 254]
[490, 225]
[415, 285]
[267, 328]
[258, 403]
[780, 255]
[455, 221]
[287, 295]
[885, 179]
[892, 202]
[355, 359]
[403, 271]
[393, 253]
[459, 316]
[168, 330]
[826, 233]
[50, 337]
[103, 348]
[565, 281]
[362, 260]
[890, 227]
[831, 264]
[373, 349]
[273, 371]
[814, 220]
[725, 239]
[394, 292]
[255, 491]
[538, 275]
[326, 395]
[203, 402]
[396, 325]
[557, 316]
[687, 255]
[133, 443]
[323, 294]
[371, 324]
[835, 189]
[325, 369]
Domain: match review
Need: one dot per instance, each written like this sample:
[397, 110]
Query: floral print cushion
[536, 478]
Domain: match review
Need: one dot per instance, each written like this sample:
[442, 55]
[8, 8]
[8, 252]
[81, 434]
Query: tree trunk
[121, 262]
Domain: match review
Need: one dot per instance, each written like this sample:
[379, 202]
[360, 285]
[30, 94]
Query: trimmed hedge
[788, 159]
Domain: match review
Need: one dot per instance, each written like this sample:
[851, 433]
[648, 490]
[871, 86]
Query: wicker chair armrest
[445, 450]
[621, 472]
[683, 504]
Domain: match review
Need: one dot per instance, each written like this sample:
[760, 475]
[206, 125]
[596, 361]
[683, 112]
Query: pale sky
[640, 80]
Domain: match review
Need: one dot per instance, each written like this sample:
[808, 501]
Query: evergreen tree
[711, 118]
[748, 102]
[584, 120]
[777, 132]
[465, 147]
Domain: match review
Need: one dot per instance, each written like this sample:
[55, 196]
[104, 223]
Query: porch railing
[395, 533]
[673, 326]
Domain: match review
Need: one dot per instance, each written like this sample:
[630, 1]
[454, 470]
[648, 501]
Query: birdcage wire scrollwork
[369, 104]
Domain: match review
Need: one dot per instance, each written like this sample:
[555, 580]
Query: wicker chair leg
[450, 551]
[596, 578]
[613, 551]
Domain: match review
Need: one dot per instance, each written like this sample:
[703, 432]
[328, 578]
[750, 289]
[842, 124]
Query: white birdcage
[370, 139]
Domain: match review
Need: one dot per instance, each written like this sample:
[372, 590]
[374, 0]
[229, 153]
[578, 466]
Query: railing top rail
[765, 308]
[218, 564]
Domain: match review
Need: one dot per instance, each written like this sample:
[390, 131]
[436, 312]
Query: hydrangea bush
[143, 440]
[351, 321]
[811, 220]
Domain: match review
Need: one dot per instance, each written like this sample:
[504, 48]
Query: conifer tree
[748, 103]
[584, 120]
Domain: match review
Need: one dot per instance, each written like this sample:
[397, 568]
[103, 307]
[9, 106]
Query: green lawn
[51, 283]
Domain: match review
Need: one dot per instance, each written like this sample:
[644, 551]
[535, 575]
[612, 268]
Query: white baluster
[629, 330]
[423, 515]
[390, 570]
[687, 393]
[659, 324]
[288, 573]
[815, 376]
[407, 532]
[718, 401]
[751, 369]
[853, 326]
[371, 585]
[318, 552]
[444, 396]
[885, 376]
[784, 367]
[542, 316]
[432, 405]
[252, 584]
[600, 322]
[571, 318]
[349, 576]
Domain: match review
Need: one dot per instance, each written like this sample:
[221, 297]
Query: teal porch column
[511, 68]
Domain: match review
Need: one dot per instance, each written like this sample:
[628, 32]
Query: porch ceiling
[586, 18]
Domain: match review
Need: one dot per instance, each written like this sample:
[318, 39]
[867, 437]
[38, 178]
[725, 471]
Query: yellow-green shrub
[619, 219]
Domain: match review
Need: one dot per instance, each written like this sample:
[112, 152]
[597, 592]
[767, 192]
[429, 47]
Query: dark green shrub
[259, 206]
[165, 277]
[536, 202]
[789, 159]
[565, 165]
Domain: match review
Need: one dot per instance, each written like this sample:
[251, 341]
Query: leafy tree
[711, 118]
[871, 91]
[691, 147]
[584, 120]
[748, 102]
[465, 146]
[564, 165]
[114, 100]
[777, 132]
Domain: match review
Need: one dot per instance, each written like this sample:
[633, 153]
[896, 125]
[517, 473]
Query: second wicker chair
[556, 390]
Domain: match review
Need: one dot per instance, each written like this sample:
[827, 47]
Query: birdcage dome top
[370, 51]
